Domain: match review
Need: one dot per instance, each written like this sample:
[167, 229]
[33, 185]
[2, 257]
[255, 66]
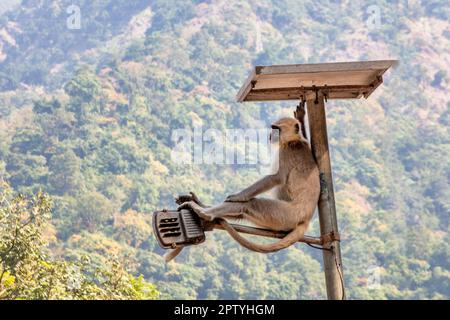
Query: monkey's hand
[188, 197]
[238, 197]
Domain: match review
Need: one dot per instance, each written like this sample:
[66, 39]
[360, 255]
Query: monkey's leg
[268, 213]
[262, 185]
[226, 209]
[273, 214]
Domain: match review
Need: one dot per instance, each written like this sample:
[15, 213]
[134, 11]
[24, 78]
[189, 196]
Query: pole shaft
[327, 209]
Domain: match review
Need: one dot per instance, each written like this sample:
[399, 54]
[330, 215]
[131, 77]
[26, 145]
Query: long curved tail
[291, 238]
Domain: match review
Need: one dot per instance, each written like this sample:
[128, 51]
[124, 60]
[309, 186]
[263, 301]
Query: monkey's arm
[262, 185]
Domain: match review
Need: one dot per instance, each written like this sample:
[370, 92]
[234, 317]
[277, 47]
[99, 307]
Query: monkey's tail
[172, 254]
[291, 238]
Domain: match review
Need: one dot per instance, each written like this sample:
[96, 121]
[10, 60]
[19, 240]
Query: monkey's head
[286, 131]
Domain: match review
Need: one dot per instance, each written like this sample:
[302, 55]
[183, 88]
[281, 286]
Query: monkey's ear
[297, 128]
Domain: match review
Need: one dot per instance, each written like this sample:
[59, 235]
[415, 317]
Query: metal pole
[327, 210]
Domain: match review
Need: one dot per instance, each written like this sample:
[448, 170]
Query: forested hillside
[87, 116]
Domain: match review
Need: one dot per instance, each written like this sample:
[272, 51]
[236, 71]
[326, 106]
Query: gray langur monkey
[297, 188]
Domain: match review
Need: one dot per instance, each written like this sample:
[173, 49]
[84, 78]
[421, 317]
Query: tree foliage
[27, 270]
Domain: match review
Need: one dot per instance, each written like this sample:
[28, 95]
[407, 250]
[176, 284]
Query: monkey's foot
[197, 209]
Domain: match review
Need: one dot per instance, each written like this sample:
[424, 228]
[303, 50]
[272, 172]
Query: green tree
[27, 271]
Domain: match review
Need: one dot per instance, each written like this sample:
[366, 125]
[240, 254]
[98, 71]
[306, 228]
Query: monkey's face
[284, 131]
